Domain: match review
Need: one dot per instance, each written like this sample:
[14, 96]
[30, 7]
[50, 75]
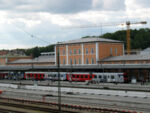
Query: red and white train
[65, 76]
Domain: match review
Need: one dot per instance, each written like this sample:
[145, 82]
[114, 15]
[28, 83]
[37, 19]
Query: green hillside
[140, 39]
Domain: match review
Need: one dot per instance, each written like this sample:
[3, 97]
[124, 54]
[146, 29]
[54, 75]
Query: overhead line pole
[59, 85]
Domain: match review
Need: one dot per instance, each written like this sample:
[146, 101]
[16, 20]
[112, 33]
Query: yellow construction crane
[128, 23]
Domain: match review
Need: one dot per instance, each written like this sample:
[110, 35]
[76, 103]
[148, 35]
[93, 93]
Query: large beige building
[87, 50]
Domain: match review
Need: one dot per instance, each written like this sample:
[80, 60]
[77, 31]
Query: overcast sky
[30, 23]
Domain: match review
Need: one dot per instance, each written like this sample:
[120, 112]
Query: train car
[3, 75]
[97, 77]
[34, 76]
[54, 76]
[109, 77]
[81, 77]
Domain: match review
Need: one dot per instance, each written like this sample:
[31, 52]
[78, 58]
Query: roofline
[87, 42]
[122, 60]
[27, 62]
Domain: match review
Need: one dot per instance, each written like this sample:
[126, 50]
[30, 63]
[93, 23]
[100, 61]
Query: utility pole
[59, 85]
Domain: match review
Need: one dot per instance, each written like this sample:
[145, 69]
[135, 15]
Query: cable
[31, 35]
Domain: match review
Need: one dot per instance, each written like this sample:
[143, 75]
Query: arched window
[75, 62]
[64, 52]
[70, 52]
[79, 61]
[71, 61]
[92, 50]
[86, 50]
[64, 61]
[79, 51]
[92, 60]
[74, 51]
[87, 61]
[116, 51]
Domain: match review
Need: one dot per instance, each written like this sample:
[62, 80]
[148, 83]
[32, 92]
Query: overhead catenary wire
[31, 35]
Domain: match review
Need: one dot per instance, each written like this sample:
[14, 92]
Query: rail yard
[96, 98]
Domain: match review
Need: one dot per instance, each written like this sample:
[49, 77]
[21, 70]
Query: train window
[105, 77]
[119, 76]
[73, 76]
[86, 76]
[100, 76]
[77, 76]
[95, 76]
[112, 77]
[81, 76]
[108, 77]
[90, 76]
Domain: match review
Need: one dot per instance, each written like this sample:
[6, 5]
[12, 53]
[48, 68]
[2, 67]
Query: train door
[104, 78]
[113, 78]
[108, 78]
[121, 78]
[95, 78]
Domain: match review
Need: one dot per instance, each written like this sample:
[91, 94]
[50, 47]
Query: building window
[74, 51]
[64, 61]
[116, 51]
[64, 52]
[86, 50]
[79, 51]
[75, 62]
[92, 60]
[71, 61]
[79, 61]
[110, 51]
[87, 61]
[92, 50]
[70, 52]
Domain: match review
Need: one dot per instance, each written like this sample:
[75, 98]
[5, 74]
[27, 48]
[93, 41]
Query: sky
[30, 23]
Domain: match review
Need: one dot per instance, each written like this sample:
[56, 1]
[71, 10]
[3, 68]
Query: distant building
[5, 60]
[127, 59]
[145, 51]
[47, 58]
[3, 52]
[15, 52]
[88, 51]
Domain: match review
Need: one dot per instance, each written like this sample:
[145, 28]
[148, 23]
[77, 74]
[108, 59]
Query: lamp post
[59, 85]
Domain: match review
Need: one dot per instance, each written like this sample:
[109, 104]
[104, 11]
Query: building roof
[128, 57]
[89, 39]
[147, 49]
[40, 59]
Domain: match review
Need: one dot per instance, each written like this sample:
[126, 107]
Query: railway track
[9, 111]
[28, 107]
[93, 102]
[100, 86]
[72, 108]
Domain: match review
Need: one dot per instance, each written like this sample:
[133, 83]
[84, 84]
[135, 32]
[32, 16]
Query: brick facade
[87, 53]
